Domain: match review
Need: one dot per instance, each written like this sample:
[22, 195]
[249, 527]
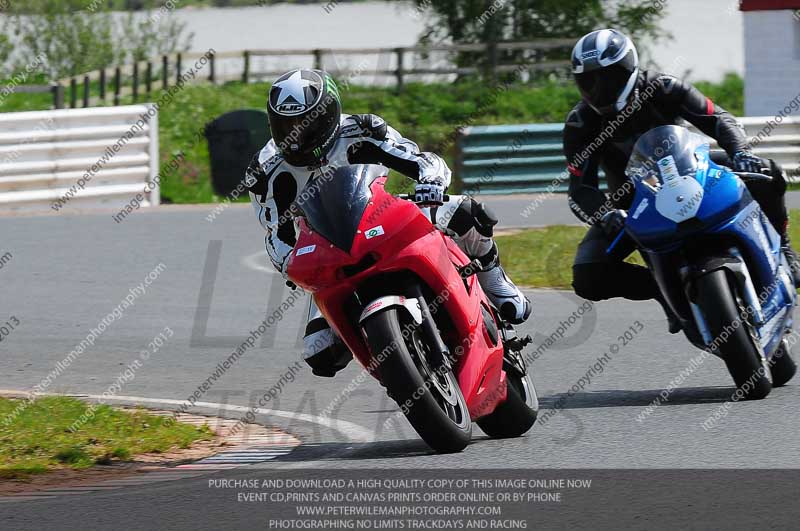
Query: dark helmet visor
[305, 139]
[602, 87]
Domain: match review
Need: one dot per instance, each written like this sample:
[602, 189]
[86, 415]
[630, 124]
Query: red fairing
[394, 235]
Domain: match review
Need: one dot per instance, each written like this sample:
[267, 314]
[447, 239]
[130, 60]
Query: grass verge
[542, 258]
[38, 437]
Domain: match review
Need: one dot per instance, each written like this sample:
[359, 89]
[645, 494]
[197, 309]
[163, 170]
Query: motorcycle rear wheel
[782, 365]
[430, 399]
[515, 416]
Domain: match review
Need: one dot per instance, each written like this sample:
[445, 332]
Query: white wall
[772, 61]
[707, 36]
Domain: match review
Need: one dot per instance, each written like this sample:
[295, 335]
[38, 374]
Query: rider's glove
[612, 222]
[745, 161]
[429, 194]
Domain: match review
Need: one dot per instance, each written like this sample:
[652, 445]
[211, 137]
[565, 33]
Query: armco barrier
[503, 159]
[46, 155]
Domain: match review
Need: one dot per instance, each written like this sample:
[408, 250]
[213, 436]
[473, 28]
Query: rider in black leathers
[619, 104]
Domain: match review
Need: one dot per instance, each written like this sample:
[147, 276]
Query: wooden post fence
[117, 84]
[164, 72]
[86, 87]
[103, 85]
[492, 60]
[246, 67]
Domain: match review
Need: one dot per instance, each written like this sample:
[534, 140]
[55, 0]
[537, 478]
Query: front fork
[735, 265]
[439, 353]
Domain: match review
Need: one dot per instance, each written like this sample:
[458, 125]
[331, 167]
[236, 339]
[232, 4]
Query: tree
[71, 41]
[149, 34]
[482, 21]
[75, 36]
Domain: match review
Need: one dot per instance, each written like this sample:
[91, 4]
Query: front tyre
[721, 308]
[430, 399]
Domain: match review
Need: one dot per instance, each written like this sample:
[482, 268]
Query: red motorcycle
[405, 300]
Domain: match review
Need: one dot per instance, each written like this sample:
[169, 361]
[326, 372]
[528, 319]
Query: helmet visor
[304, 140]
[602, 87]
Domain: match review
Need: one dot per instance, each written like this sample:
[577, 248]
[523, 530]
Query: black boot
[329, 361]
[791, 257]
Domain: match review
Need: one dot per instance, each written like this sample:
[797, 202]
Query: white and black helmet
[605, 65]
[304, 113]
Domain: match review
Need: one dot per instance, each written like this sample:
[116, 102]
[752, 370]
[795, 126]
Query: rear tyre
[717, 299]
[515, 416]
[782, 365]
[431, 400]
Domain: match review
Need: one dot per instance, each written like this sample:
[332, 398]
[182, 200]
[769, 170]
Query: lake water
[707, 35]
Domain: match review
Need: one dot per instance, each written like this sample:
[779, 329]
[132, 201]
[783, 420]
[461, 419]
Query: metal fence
[78, 158]
[502, 159]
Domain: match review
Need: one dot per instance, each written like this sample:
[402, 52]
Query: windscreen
[334, 203]
[664, 154]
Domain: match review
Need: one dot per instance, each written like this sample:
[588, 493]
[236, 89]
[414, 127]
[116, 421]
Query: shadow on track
[622, 397]
[380, 450]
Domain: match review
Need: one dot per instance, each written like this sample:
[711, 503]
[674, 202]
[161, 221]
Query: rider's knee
[484, 217]
[471, 214]
[589, 281]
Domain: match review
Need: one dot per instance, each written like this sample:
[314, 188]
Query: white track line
[258, 262]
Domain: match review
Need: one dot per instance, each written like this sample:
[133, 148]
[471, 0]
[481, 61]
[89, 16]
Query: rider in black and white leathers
[274, 184]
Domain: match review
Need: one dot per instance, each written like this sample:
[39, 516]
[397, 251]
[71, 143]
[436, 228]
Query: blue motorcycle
[715, 256]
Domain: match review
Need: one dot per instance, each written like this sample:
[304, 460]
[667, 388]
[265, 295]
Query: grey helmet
[605, 65]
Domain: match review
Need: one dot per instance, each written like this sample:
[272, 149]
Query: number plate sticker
[373, 232]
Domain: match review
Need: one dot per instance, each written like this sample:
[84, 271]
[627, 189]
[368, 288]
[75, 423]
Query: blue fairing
[654, 231]
[696, 223]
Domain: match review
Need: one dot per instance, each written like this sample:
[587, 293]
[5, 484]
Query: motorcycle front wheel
[722, 309]
[429, 398]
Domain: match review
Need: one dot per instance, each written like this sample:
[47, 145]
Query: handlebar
[753, 177]
[410, 197]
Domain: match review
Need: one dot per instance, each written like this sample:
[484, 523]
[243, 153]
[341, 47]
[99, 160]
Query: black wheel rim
[441, 383]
